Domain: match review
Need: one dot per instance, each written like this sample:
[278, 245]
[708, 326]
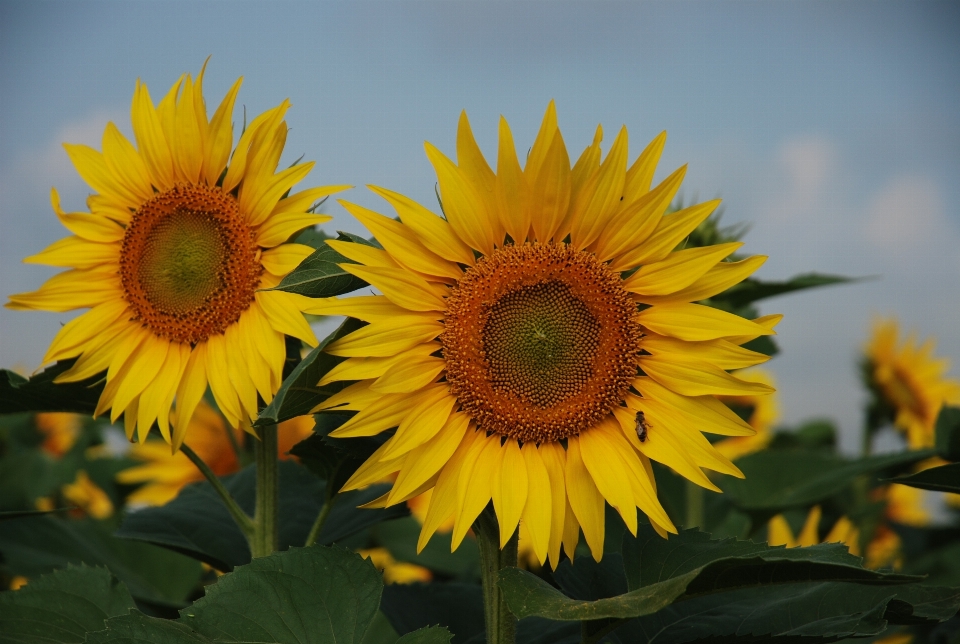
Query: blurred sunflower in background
[761, 412]
[182, 234]
[539, 344]
[843, 531]
[162, 474]
[907, 384]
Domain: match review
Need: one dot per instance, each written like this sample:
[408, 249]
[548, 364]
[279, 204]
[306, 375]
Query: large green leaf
[751, 290]
[197, 524]
[427, 635]
[299, 393]
[319, 275]
[780, 479]
[305, 595]
[62, 606]
[948, 433]
[35, 545]
[39, 393]
[137, 628]
[945, 478]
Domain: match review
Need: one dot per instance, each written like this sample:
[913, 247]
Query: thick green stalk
[500, 623]
[694, 506]
[265, 519]
[243, 521]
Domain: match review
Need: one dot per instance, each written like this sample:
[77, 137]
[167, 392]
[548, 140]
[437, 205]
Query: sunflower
[761, 412]
[843, 531]
[537, 346]
[910, 381]
[181, 240]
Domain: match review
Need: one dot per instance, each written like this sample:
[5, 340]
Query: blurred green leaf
[39, 393]
[427, 635]
[62, 606]
[945, 478]
[752, 290]
[948, 433]
[197, 524]
[780, 479]
[32, 546]
[299, 393]
[305, 595]
[456, 606]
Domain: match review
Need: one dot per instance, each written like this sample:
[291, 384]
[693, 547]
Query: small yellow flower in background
[88, 496]
[884, 550]
[18, 582]
[60, 430]
[164, 474]
[395, 572]
[899, 638]
[911, 381]
[507, 344]
[764, 414]
[843, 531]
[907, 505]
[182, 234]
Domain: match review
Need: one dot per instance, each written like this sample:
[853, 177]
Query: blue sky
[832, 127]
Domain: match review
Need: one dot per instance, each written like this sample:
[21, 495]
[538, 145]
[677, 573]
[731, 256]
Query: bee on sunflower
[183, 235]
[517, 337]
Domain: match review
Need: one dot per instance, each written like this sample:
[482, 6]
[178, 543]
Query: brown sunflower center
[541, 341]
[189, 265]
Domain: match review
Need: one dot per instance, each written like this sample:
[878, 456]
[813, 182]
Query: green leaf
[400, 538]
[945, 478]
[62, 606]
[32, 546]
[197, 524]
[948, 433]
[428, 635]
[456, 606]
[319, 275]
[751, 290]
[137, 628]
[780, 479]
[299, 393]
[305, 595]
[39, 393]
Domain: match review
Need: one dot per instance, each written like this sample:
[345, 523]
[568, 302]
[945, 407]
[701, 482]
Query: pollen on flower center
[189, 266]
[541, 341]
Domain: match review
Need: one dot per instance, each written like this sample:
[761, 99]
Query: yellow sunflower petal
[716, 280]
[554, 459]
[403, 289]
[679, 270]
[423, 462]
[430, 409]
[603, 197]
[282, 226]
[386, 338]
[190, 392]
[550, 192]
[369, 308]
[283, 259]
[409, 375]
[151, 140]
[511, 188]
[720, 353]
[220, 136]
[536, 514]
[95, 228]
[443, 501]
[73, 289]
[695, 378]
[477, 171]
[697, 322]
[474, 485]
[670, 231]
[586, 500]
[126, 166]
[283, 311]
[509, 490]
[461, 203]
[74, 252]
[640, 175]
[384, 413]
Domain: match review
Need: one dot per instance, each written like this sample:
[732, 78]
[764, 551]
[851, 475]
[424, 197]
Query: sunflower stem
[500, 623]
[242, 519]
[265, 523]
[321, 518]
[694, 506]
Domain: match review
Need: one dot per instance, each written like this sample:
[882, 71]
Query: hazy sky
[833, 128]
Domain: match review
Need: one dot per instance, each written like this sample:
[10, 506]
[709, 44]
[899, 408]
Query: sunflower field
[541, 418]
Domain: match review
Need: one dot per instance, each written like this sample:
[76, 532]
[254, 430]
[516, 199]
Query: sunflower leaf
[39, 393]
[137, 628]
[945, 478]
[780, 479]
[427, 635]
[63, 606]
[197, 524]
[299, 393]
[320, 275]
[948, 433]
[752, 290]
[305, 595]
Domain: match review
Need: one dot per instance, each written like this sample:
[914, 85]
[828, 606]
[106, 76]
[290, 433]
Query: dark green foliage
[945, 478]
[320, 275]
[39, 393]
[62, 606]
[948, 433]
[197, 524]
[752, 290]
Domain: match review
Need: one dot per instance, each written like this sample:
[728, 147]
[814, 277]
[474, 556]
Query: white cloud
[808, 164]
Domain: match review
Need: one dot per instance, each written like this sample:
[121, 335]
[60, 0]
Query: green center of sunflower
[189, 266]
[541, 341]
